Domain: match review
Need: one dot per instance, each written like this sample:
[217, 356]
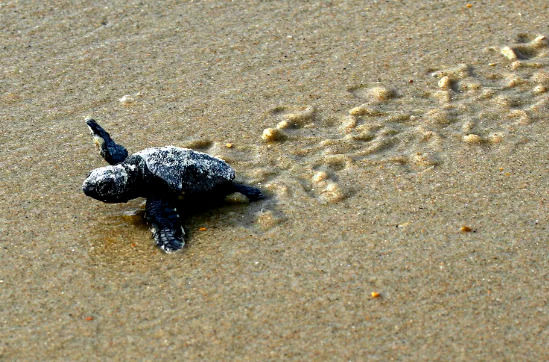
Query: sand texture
[402, 147]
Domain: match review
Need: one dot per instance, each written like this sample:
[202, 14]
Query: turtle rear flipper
[112, 152]
[252, 193]
[165, 224]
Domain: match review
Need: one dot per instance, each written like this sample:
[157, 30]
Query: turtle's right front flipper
[112, 152]
[165, 224]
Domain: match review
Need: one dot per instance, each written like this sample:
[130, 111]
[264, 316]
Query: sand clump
[328, 191]
[299, 117]
[445, 83]
[366, 110]
[332, 193]
[292, 117]
[539, 89]
[381, 93]
[272, 135]
[524, 50]
[472, 138]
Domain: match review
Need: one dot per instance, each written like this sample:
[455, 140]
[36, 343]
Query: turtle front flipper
[112, 152]
[166, 226]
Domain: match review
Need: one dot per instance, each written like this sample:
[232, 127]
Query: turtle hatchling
[166, 177]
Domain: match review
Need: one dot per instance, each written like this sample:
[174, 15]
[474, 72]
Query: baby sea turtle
[166, 177]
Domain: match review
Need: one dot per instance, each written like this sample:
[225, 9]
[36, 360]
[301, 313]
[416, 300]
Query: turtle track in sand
[415, 127]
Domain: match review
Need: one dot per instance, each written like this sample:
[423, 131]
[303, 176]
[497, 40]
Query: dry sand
[403, 146]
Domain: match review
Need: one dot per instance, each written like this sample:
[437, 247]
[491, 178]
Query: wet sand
[403, 148]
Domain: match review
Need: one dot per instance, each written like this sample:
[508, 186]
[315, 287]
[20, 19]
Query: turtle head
[110, 184]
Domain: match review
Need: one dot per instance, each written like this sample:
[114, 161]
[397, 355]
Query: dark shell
[183, 170]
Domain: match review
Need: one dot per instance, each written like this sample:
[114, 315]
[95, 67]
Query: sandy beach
[402, 147]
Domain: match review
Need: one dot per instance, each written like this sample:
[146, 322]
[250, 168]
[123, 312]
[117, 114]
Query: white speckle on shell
[170, 162]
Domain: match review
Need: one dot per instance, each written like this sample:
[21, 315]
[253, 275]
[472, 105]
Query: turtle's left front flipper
[166, 226]
[112, 152]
